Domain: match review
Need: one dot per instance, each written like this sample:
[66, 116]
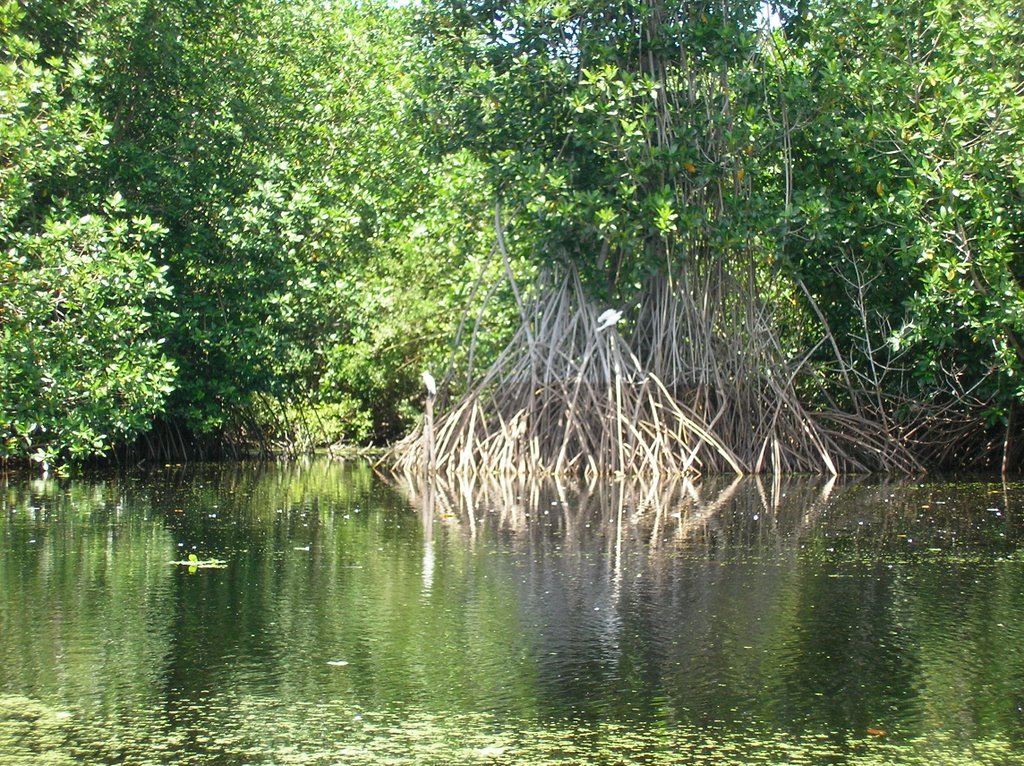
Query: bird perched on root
[608, 318]
[430, 383]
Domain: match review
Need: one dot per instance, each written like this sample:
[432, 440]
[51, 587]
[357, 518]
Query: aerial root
[681, 396]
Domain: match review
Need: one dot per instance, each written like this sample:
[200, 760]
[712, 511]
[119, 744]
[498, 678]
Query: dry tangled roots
[679, 396]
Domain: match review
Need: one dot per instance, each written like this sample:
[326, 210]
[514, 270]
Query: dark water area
[334, 616]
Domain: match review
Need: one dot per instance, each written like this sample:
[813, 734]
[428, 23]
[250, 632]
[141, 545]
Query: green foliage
[424, 275]
[80, 369]
[908, 181]
[314, 259]
[616, 134]
[311, 258]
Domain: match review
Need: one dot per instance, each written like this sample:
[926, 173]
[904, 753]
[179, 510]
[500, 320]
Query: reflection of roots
[634, 514]
[565, 398]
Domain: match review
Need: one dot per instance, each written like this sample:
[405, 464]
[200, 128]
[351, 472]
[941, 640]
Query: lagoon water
[364, 620]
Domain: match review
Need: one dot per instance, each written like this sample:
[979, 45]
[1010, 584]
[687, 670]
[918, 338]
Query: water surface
[360, 620]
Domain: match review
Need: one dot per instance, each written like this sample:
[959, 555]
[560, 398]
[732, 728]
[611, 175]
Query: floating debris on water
[194, 562]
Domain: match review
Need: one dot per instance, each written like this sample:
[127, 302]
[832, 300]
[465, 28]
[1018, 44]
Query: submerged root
[681, 397]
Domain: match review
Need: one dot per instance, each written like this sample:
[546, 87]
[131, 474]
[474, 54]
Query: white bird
[430, 383]
[608, 318]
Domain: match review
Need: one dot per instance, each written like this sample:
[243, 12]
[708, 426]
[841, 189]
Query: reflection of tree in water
[854, 518]
[629, 517]
[802, 604]
[628, 578]
[138, 650]
[792, 609]
[86, 613]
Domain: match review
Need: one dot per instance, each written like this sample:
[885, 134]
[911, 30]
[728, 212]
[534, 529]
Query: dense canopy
[234, 225]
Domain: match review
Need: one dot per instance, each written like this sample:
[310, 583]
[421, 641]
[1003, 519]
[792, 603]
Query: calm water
[358, 621]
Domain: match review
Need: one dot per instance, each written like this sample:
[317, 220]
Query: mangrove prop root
[700, 386]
